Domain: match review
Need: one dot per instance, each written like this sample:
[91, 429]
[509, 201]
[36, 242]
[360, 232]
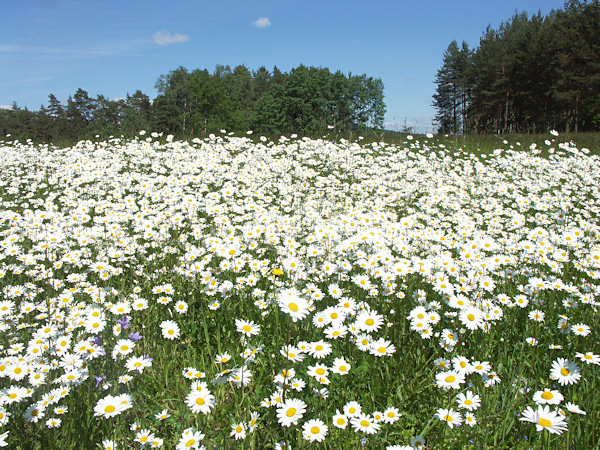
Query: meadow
[247, 292]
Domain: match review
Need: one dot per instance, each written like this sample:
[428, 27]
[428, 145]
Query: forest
[530, 75]
[195, 103]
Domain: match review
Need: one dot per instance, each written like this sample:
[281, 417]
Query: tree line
[532, 74]
[307, 100]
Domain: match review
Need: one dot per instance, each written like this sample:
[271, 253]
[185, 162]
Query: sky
[113, 47]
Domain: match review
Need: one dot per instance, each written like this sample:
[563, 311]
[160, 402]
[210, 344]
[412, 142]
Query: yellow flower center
[450, 379]
[547, 395]
[370, 322]
[364, 423]
[294, 307]
[544, 422]
[564, 371]
[109, 409]
[200, 401]
[290, 412]
[471, 317]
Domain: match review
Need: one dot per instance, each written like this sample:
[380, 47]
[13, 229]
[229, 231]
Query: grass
[135, 234]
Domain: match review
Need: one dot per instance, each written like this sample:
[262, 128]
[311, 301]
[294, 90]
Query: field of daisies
[231, 292]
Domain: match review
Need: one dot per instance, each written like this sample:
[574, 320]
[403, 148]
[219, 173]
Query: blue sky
[115, 47]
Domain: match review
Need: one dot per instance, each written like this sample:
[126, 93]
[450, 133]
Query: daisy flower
[451, 417]
[284, 376]
[164, 414]
[318, 371]
[181, 307]
[462, 365]
[53, 422]
[109, 406]
[352, 409]
[190, 439]
[340, 366]
[320, 349]
[536, 315]
[364, 423]
[589, 358]
[292, 353]
[544, 419]
[580, 329]
[481, 367]
[290, 412]
[548, 397]
[144, 437]
[247, 328]
[293, 304]
[369, 321]
[470, 419]
[572, 407]
[363, 342]
[4, 416]
[238, 431]
[314, 430]
[417, 442]
[200, 401]
[253, 421]
[381, 347]
[156, 443]
[450, 379]
[391, 415]
[449, 337]
[170, 329]
[472, 318]
[565, 371]
[468, 401]
[339, 420]
[109, 445]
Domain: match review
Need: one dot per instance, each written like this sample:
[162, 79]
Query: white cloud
[5, 106]
[262, 22]
[165, 38]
